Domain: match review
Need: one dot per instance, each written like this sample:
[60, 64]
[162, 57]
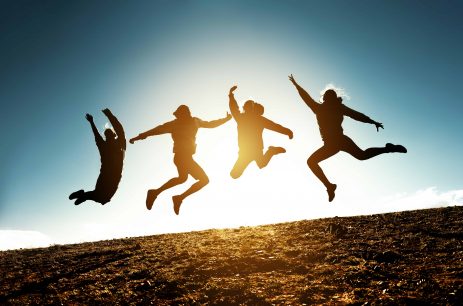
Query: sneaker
[330, 191]
[76, 194]
[80, 200]
[177, 202]
[151, 196]
[276, 150]
[396, 148]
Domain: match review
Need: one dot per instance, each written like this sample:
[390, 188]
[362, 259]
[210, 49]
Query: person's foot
[276, 150]
[80, 200]
[330, 191]
[151, 196]
[76, 194]
[396, 148]
[177, 202]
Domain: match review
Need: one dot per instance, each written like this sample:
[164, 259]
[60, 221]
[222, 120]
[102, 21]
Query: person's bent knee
[204, 180]
[311, 162]
[235, 174]
[182, 179]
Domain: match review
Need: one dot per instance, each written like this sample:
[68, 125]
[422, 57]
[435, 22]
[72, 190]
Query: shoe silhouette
[177, 200]
[151, 196]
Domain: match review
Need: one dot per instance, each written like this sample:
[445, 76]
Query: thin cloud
[430, 197]
[15, 239]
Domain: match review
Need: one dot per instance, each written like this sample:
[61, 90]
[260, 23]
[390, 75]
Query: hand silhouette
[106, 111]
[89, 117]
[229, 116]
[291, 78]
[132, 140]
[379, 125]
[233, 89]
[290, 135]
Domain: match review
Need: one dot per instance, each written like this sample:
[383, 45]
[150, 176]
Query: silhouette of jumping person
[112, 152]
[183, 130]
[251, 124]
[330, 115]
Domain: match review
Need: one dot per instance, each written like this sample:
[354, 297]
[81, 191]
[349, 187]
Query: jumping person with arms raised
[251, 124]
[330, 115]
[112, 150]
[183, 131]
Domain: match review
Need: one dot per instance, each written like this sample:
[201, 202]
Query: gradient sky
[400, 62]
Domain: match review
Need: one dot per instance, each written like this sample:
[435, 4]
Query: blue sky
[399, 61]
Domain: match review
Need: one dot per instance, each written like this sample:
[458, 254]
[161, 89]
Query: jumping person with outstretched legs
[112, 155]
[183, 130]
[330, 115]
[251, 124]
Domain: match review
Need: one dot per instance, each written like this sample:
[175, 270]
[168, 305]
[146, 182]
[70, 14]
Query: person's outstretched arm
[360, 117]
[234, 109]
[98, 139]
[214, 123]
[304, 95]
[117, 127]
[160, 129]
[270, 125]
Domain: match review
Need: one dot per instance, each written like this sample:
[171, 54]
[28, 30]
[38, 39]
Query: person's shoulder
[196, 120]
[345, 107]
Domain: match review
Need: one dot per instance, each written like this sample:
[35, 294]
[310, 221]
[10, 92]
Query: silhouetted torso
[112, 157]
[250, 128]
[184, 134]
[329, 118]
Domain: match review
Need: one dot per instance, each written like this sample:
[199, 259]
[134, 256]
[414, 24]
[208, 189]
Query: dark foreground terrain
[407, 258]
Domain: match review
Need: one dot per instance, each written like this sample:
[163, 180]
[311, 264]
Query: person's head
[109, 134]
[182, 112]
[330, 96]
[259, 109]
[248, 106]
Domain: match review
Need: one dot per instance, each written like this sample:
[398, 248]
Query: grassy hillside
[407, 258]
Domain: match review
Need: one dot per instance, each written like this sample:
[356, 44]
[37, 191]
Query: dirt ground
[406, 258]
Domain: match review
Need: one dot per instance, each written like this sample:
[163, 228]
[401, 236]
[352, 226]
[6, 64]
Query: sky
[398, 62]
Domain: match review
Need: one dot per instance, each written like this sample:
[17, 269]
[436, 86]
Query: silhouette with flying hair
[112, 152]
[330, 115]
[183, 130]
[251, 124]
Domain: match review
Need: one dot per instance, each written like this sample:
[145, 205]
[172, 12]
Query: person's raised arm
[304, 95]
[98, 139]
[270, 125]
[214, 123]
[160, 129]
[361, 117]
[234, 109]
[117, 127]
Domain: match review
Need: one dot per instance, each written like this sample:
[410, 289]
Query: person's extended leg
[241, 164]
[152, 194]
[202, 180]
[263, 160]
[349, 146]
[321, 154]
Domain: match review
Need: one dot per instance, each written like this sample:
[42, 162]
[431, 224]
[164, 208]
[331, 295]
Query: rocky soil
[406, 258]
